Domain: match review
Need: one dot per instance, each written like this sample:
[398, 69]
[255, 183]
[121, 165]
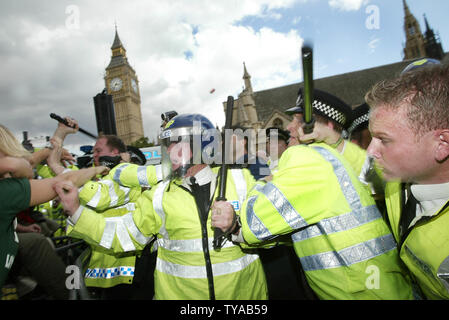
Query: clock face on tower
[134, 85]
[116, 84]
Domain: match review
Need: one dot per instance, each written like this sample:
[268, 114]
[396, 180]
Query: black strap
[408, 213]
[405, 216]
[201, 194]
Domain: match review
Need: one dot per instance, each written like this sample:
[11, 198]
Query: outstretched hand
[72, 128]
[68, 193]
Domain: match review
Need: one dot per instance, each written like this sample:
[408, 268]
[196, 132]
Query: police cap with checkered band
[360, 118]
[326, 105]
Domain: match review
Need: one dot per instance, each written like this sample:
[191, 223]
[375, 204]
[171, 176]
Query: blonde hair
[424, 92]
[10, 146]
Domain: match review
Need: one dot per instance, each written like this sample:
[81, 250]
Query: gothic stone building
[264, 109]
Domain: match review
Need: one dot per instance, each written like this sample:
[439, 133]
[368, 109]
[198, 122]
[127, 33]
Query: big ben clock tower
[122, 83]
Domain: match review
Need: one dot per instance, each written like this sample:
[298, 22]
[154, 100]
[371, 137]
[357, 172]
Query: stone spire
[247, 79]
[414, 46]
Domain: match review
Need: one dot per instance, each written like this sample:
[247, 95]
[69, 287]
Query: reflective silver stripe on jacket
[349, 256]
[359, 215]
[240, 184]
[123, 227]
[142, 176]
[118, 172]
[192, 245]
[158, 205]
[281, 204]
[93, 202]
[443, 273]
[346, 186]
[254, 223]
[111, 192]
[159, 172]
[419, 263]
[199, 272]
[340, 223]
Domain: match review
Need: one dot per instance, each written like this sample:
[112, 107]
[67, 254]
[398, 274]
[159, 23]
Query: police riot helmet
[187, 140]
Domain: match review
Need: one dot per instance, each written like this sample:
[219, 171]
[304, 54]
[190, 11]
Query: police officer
[177, 211]
[358, 130]
[409, 124]
[107, 275]
[277, 143]
[340, 238]
[332, 118]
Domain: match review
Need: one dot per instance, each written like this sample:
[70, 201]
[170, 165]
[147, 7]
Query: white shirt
[431, 198]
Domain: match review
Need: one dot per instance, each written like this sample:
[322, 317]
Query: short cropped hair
[425, 92]
[114, 142]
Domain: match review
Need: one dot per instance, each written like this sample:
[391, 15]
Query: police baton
[307, 67]
[59, 119]
[219, 235]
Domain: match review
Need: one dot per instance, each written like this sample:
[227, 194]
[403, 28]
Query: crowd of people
[354, 210]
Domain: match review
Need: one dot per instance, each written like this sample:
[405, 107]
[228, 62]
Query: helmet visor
[176, 151]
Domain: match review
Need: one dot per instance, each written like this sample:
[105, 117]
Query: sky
[53, 53]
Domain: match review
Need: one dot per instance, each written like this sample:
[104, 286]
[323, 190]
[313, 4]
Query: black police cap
[326, 105]
[360, 118]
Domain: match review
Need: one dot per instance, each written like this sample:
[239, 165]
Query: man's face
[396, 149]
[239, 147]
[180, 154]
[293, 128]
[297, 135]
[102, 149]
[276, 147]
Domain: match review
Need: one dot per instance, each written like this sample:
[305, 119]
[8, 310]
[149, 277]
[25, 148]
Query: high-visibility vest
[425, 250]
[132, 175]
[355, 155]
[170, 212]
[111, 200]
[340, 238]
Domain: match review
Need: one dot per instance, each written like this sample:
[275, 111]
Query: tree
[142, 143]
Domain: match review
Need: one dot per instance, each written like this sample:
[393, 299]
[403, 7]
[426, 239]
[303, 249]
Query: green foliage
[142, 143]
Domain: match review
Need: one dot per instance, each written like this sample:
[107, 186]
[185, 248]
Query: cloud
[178, 51]
[347, 5]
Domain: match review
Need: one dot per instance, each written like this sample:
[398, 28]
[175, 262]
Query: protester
[409, 124]
[277, 143]
[19, 191]
[243, 154]
[358, 130]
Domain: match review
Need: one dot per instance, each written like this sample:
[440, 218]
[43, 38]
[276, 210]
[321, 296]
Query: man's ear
[442, 151]
[115, 152]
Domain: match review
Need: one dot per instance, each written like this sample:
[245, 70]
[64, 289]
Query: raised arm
[42, 190]
[15, 167]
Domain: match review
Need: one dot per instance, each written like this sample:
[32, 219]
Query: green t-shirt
[15, 197]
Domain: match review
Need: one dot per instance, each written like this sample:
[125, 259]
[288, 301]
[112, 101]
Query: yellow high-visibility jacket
[425, 250]
[185, 253]
[340, 238]
[111, 200]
